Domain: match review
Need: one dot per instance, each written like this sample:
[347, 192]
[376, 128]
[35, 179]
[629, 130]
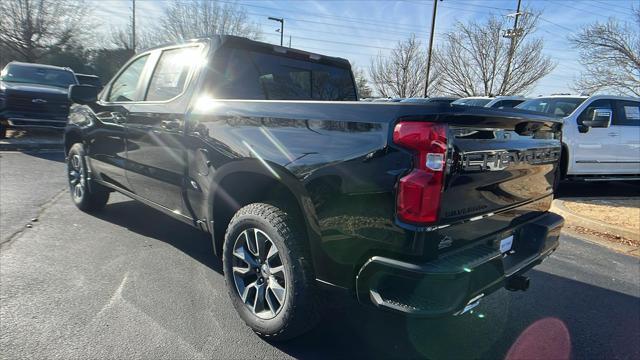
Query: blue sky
[359, 30]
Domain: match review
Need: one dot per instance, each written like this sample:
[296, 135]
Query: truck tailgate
[497, 164]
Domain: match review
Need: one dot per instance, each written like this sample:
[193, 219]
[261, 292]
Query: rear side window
[244, 74]
[170, 75]
[125, 86]
[627, 113]
[587, 114]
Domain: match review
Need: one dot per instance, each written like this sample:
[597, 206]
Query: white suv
[601, 135]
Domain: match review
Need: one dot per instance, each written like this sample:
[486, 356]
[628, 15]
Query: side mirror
[83, 94]
[601, 118]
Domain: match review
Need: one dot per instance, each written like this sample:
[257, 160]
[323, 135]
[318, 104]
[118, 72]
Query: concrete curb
[577, 219]
[16, 145]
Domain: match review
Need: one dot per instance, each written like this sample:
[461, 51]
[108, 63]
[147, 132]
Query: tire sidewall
[266, 327]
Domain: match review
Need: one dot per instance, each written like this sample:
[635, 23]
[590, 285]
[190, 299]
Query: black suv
[34, 95]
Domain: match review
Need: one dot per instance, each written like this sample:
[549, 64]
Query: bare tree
[473, 59]
[186, 19]
[31, 29]
[610, 53]
[121, 38]
[362, 84]
[402, 73]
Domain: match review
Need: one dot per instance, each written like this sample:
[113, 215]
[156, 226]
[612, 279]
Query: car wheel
[87, 195]
[268, 273]
[3, 131]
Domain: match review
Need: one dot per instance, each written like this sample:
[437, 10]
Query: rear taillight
[419, 191]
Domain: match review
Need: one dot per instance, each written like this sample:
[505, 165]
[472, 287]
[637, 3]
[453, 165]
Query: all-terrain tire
[300, 310]
[86, 194]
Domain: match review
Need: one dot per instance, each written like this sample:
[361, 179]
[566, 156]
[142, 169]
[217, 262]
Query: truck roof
[594, 97]
[245, 42]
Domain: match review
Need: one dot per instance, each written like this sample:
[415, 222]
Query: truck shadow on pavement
[151, 223]
[556, 318]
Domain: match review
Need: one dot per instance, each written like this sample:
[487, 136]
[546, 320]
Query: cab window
[587, 114]
[627, 113]
[125, 86]
[247, 74]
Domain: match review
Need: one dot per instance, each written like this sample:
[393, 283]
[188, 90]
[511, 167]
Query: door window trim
[143, 74]
[187, 82]
[147, 73]
[620, 113]
[612, 106]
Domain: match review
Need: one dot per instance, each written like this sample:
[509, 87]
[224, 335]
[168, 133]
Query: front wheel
[86, 195]
[268, 272]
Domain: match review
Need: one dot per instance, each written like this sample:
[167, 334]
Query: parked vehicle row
[601, 135]
[417, 209]
[498, 102]
[36, 95]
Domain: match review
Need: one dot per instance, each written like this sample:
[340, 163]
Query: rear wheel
[268, 272]
[87, 195]
[3, 131]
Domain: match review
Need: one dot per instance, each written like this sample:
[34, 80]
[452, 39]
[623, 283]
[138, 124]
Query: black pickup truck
[34, 96]
[417, 209]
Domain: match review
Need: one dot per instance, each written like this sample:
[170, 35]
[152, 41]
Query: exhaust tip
[517, 283]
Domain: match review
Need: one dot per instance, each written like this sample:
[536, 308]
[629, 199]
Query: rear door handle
[118, 118]
[170, 124]
[612, 134]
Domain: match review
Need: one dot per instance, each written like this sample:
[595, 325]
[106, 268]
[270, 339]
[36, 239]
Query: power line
[351, 19]
[350, 35]
[333, 42]
[338, 25]
[609, 7]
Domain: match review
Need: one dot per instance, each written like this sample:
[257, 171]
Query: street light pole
[433, 27]
[281, 21]
[133, 27]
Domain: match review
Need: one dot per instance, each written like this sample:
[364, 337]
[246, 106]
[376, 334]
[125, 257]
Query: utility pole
[289, 40]
[133, 27]
[512, 34]
[281, 21]
[433, 27]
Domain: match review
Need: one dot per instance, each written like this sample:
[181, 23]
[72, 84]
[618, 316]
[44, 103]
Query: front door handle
[170, 124]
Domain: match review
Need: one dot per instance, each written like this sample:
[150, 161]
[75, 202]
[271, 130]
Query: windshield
[553, 106]
[472, 102]
[35, 75]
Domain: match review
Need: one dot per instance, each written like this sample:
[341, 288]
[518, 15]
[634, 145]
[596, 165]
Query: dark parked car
[431, 100]
[34, 95]
[414, 209]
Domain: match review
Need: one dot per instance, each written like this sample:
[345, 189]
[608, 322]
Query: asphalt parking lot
[133, 283]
